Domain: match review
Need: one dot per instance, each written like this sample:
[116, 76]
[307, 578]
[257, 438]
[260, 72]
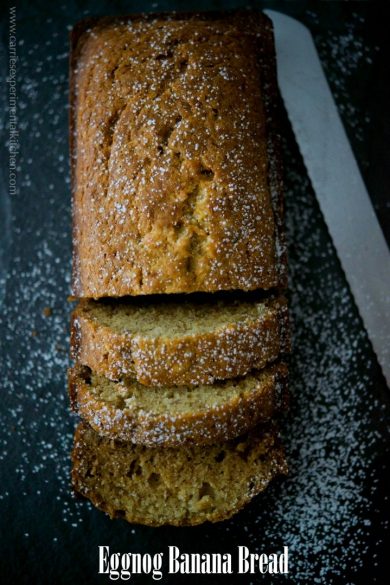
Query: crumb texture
[177, 415]
[179, 342]
[171, 176]
[183, 486]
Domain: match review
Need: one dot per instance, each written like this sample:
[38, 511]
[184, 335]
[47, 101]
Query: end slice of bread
[179, 343]
[177, 486]
[176, 415]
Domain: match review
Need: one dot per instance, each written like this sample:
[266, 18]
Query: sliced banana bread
[177, 415]
[183, 342]
[178, 486]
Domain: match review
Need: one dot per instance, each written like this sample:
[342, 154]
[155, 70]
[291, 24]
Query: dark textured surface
[332, 510]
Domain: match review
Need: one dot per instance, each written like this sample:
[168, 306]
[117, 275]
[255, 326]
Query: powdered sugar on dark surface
[330, 511]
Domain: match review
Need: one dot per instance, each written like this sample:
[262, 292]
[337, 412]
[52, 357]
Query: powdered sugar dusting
[334, 434]
[346, 56]
[179, 171]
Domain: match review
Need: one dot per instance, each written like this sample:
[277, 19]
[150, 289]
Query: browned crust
[74, 38]
[275, 172]
[271, 104]
[212, 424]
[85, 456]
[228, 352]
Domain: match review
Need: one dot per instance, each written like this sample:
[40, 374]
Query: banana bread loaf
[175, 156]
[178, 486]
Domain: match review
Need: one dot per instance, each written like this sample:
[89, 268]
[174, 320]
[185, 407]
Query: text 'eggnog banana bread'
[178, 415]
[176, 166]
[181, 486]
[179, 342]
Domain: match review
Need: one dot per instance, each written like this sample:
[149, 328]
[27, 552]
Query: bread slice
[176, 415]
[179, 342]
[178, 486]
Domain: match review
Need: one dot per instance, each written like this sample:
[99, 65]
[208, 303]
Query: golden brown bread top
[171, 179]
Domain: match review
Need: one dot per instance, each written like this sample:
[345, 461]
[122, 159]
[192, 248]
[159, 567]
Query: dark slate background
[333, 510]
